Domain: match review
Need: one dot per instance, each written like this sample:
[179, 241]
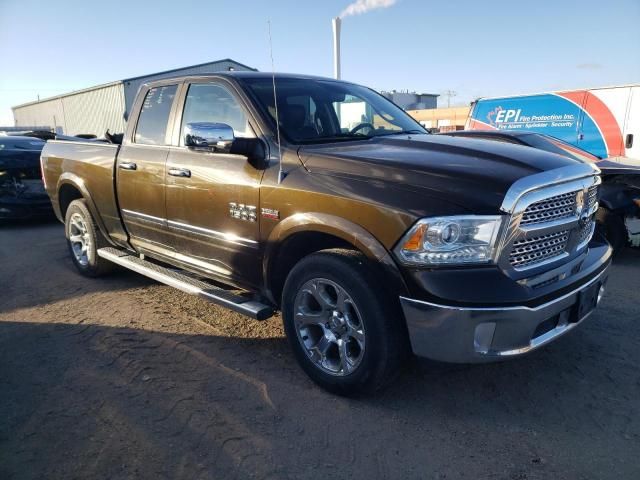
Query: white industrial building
[412, 100]
[96, 109]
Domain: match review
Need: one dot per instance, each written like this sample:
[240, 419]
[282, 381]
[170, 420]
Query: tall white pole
[336, 47]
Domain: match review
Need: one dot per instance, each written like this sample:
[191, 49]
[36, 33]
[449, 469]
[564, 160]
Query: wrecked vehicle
[22, 194]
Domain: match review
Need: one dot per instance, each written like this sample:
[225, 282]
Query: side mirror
[218, 136]
[252, 148]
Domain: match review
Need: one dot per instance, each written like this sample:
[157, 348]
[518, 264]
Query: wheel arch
[71, 187]
[302, 234]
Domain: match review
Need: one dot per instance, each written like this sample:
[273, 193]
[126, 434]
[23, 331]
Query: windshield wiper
[334, 138]
[400, 132]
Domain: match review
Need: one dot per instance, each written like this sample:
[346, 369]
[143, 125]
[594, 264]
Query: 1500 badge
[243, 212]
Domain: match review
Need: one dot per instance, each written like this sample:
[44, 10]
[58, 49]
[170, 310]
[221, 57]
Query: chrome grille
[586, 231]
[592, 196]
[529, 251]
[551, 218]
[549, 209]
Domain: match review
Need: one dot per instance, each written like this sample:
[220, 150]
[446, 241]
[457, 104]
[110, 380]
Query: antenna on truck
[275, 102]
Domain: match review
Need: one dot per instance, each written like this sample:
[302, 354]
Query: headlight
[450, 240]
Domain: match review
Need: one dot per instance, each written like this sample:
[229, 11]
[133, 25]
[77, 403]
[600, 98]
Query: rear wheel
[345, 332]
[84, 239]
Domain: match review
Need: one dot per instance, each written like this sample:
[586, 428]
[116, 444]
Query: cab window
[213, 103]
[154, 116]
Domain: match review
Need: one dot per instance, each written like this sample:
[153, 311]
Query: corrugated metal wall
[47, 112]
[91, 111]
[97, 109]
[131, 86]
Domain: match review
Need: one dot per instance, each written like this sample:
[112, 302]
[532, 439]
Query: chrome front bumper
[472, 335]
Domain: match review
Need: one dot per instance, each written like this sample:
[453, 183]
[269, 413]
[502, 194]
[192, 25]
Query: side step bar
[188, 284]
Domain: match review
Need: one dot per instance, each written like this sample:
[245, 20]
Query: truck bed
[90, 165]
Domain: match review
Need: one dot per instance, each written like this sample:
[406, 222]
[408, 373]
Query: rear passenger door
[141, 171]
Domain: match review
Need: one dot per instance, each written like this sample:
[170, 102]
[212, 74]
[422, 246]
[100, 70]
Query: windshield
[555, 145]
[317, 111]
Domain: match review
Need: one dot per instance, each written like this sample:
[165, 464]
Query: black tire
[93, 266]
[612, 226]
[386, 344]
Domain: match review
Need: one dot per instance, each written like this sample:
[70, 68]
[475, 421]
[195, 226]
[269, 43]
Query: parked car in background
[603, 121]
[22, 193]
[41, 134]
[619, 212]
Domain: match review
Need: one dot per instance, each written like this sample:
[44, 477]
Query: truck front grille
[550, 209]
[552, 228]
[533, 250]
[592, 196]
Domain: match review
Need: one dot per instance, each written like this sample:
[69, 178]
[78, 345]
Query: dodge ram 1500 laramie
[324, 200]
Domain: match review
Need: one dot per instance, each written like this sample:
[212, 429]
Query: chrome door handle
[180, 172]
[127, 166]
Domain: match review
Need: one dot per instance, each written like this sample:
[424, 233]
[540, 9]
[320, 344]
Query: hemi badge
[270, 213]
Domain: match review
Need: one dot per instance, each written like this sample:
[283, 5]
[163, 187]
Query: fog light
[483, 337]
[600, 293]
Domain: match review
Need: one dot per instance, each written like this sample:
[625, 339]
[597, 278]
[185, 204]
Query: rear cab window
[151, 128]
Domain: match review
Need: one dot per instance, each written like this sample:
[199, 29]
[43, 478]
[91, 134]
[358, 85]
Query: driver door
[212, 198]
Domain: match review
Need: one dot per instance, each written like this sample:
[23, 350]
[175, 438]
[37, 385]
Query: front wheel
[345, 331]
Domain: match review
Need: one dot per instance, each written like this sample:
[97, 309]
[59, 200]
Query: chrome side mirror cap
[217, 136]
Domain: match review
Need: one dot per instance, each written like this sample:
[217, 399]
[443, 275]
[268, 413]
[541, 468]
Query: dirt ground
[122, 378]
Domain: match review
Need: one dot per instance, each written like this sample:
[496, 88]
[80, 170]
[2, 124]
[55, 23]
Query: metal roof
[117, 82]
[190, 66]
[69, 94]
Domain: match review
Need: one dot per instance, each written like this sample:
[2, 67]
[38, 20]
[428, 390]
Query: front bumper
[473, 334]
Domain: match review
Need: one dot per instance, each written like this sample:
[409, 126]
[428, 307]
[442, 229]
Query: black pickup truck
[324, 200]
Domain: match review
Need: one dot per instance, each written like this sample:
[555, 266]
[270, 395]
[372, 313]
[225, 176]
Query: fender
[68, 178]
[338, 227]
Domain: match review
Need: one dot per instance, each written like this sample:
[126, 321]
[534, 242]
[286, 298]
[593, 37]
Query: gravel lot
[121, 377]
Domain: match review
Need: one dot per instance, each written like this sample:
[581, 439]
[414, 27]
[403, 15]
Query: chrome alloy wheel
[80, 238]
[329, 326]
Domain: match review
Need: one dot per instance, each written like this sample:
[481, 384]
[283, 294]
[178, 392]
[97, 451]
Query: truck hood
[474, 174]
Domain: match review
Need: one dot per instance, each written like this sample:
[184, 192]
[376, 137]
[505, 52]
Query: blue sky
[476, 48]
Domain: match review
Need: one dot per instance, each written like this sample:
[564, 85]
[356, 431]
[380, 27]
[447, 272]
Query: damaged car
[22, 193]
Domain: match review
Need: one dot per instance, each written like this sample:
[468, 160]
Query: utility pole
[449, 94]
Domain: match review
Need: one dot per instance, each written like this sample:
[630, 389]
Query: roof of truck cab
[246, 74]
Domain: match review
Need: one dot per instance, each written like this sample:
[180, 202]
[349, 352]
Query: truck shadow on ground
[37, 250]
[120, 374]
[129, 402]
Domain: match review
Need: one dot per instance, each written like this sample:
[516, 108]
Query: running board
[188, 284]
